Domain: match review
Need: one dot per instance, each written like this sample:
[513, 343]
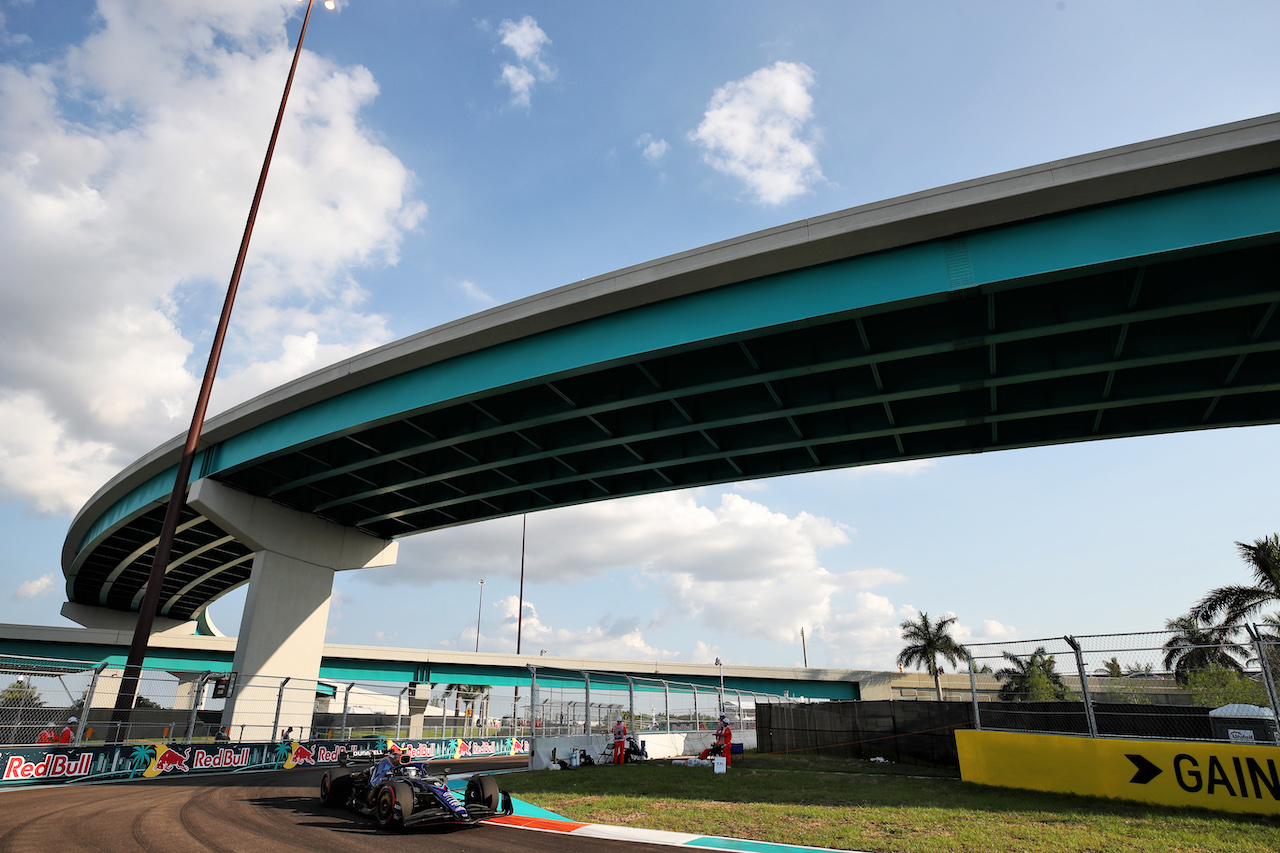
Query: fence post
[1268, 682]
[666, 703]
[88, 701]
[586, 680]
[631, 705]
[399, 713]
[533, 709]
[195, 705]
[1084, 687]
[275, 724]
[346, 703]
[973, 693]
[697, 721]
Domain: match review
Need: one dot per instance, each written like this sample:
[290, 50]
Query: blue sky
[439, 158]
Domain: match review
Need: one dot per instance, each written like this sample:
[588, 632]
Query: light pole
[524, 530]
[178, 498]
[479, 608]
[720, 666]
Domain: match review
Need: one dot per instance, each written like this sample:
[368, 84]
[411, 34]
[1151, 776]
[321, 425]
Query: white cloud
[7, 38]
[664, 533]
[527, 40]
[126, 170]
[758, 130]
[736, 568]
[653, 150]
[619, 640]
[520, 81]
[473, 291]
[993, 630]
[906, 468]
[682, 569]
[40, 463]
[42, 585]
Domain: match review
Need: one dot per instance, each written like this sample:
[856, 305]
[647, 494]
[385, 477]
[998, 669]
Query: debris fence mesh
[42, 698]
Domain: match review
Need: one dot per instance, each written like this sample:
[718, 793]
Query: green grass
[857, 805]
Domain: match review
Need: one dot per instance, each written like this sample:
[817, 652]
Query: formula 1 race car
[398, 792]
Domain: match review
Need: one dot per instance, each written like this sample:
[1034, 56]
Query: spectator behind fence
[68, 734]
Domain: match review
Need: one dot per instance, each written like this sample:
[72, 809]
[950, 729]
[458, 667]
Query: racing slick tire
[483, 791]
[389, 796]
[335, 787]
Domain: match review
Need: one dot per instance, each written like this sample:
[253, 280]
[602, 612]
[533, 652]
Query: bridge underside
[1145, 314]
[1180, 344]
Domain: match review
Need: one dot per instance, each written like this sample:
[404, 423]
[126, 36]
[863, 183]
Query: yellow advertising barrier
[1224, 776]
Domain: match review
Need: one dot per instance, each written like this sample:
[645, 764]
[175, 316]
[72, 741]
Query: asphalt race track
[244, 813]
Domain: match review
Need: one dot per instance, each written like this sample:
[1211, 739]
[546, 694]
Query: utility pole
[524, 530]
[479, 610]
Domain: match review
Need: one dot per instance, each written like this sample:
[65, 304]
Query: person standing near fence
[67, 733]
[619, 741]
[48, 735]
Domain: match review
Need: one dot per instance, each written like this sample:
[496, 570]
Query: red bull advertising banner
[27, 765]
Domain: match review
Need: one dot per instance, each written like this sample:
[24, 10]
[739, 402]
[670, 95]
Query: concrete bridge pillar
[419, 707]
[287, 607]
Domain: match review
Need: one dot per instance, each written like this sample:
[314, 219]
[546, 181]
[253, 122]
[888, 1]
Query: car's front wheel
[483, 791]
[393, 805]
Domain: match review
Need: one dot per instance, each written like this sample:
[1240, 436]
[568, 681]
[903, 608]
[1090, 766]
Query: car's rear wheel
[394, 805]
[483, 791]
[335, 787]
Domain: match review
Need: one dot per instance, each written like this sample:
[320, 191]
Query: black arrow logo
[1146, 770]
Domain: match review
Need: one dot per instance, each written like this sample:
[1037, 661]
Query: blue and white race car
[398, 792]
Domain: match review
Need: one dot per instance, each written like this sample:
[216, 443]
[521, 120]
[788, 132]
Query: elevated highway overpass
[1123, 293]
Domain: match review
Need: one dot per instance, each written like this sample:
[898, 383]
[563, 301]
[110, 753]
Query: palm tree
[1030, 679]
[1231, 605]
[470, 692]
[1196, 646]
[926, 642]
[1110, 669]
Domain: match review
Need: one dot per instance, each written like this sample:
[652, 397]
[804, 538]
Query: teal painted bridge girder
[1140, 315]
[406, 670]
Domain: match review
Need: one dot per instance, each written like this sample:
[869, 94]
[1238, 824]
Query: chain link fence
[586, 702]
[46, 700]
[1193, 683]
